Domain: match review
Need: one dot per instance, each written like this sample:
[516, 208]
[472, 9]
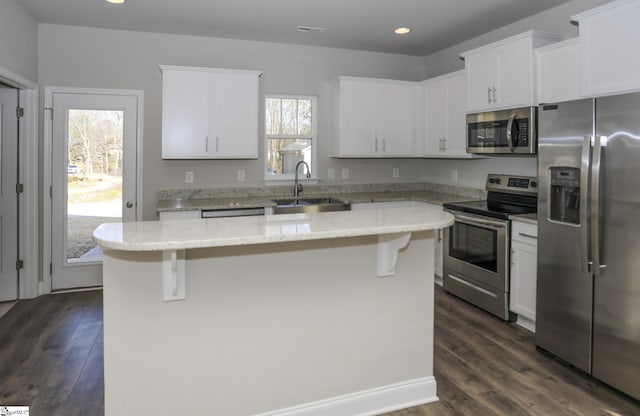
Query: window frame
[278, 179]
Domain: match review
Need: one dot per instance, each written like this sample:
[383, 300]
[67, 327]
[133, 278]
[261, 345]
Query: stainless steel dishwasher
[231, 212]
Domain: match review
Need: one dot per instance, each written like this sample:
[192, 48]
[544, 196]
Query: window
[290, 134]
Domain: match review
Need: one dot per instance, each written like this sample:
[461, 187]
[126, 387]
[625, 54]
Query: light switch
[345, 173]
[396, 172]
[241, 175]
[331, 173]
[188, 177]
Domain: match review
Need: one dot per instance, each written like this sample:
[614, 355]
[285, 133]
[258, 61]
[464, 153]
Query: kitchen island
[305, 314]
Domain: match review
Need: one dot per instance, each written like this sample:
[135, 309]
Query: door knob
[129, 204]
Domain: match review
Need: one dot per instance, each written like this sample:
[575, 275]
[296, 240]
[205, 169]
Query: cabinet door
[234, 121]
[481, 69]
[559, 72]
[523, 279]
[358, 118]
[609, 38]
[436, 112]
[515, 68]
[397, 109]
[456, 131]
[185, 114]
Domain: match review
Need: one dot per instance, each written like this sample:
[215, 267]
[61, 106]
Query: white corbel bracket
[388, 247]
[174, 276]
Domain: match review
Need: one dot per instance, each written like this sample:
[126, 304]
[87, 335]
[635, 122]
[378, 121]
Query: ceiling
[350, 24]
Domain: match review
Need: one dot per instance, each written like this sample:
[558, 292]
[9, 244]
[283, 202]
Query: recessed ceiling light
[115, 1]
[402, 31]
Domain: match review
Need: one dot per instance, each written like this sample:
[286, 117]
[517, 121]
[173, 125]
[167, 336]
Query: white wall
[473, 173]
[18, 40]
[98, 58]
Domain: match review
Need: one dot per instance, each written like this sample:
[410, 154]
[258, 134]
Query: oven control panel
[512, 184]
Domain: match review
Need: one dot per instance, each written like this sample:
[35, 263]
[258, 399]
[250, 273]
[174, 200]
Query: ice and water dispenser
[564, 200]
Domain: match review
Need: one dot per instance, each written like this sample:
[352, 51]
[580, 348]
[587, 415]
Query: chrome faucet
[297, 186]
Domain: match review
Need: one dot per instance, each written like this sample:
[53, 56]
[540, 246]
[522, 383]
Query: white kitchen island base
[295, 328]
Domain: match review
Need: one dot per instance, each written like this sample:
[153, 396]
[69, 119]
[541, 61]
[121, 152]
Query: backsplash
[273, 191]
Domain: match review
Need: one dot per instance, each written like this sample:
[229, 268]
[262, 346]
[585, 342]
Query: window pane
[289, 116]
[304, 117]
[94, 178]
[272, 116]
[284, 154]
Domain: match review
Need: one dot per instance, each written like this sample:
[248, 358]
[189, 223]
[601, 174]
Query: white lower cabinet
[524, 266]
[437, 262]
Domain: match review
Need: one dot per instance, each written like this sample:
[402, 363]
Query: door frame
[28, 174]
[47, 185]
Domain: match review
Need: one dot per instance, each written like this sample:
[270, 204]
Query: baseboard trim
[371, 402]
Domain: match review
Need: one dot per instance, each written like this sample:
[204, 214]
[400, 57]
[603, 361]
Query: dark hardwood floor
[51, 360]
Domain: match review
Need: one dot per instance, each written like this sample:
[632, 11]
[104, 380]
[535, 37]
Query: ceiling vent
[308, 29]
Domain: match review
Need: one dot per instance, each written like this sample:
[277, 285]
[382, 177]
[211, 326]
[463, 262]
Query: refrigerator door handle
[599, 143]
[584, 208]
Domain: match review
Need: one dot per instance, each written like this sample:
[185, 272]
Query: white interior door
[8, 196]
[94, 154]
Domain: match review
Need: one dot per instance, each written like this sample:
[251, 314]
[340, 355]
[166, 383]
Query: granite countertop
[180, 204]
[238, 231]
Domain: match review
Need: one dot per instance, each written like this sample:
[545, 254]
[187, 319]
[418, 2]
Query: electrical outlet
[188, 177]
[331, 173]
[241, 175]
[345, 173]
[454, 175]
[396, 172]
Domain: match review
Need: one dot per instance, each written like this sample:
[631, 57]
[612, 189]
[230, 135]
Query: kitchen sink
[309, 205]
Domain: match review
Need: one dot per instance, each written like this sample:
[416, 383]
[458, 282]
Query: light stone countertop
[179, 204]
[237, 231]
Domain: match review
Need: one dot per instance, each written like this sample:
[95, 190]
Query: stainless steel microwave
[503, 132]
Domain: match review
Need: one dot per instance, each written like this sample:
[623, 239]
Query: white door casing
[67, 274]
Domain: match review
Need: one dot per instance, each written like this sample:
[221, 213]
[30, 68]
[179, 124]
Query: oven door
[477, 247]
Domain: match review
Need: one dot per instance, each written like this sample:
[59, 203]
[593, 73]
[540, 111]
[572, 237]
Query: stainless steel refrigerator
[588, 294]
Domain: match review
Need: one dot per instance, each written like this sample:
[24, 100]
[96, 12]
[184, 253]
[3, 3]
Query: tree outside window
[289, 133]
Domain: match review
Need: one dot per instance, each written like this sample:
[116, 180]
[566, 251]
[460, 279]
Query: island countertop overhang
[238, 231]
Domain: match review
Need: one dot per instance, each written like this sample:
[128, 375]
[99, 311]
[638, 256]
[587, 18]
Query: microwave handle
[509, 128]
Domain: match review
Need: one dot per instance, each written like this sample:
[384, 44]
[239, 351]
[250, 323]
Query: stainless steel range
[477, 247]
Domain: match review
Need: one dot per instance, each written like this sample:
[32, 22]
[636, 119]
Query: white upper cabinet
[444, 115]
[559, 72]
[209, 113]
[609, 45]
[374, 117]
[501, 75]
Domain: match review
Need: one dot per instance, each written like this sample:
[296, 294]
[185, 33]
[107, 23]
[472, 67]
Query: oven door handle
[485, 223]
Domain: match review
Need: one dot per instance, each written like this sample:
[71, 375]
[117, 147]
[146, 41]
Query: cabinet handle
[494, 95]
[444, 144]
[384, 145]
[206, 144]
[439, 234]
[217, 145]
[528, 235]
[375, 147]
